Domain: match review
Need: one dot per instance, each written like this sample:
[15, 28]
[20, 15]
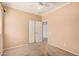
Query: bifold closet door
[31, 31]
[38, 32]
[35, 31]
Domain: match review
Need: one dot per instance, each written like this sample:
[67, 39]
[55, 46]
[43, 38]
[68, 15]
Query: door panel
[38, 31]
[31, 31]
[35, 31]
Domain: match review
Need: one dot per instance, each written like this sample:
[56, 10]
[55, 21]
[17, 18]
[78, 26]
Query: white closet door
[31, 31]
[38, 31]
[45, 30]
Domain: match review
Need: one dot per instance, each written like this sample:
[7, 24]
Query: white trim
[53, 10]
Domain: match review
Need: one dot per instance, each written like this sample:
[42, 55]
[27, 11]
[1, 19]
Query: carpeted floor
[36, 49]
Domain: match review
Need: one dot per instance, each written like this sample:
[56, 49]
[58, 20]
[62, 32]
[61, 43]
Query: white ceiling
[29, 6]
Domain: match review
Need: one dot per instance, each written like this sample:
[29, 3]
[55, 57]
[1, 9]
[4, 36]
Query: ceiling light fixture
[40, 5]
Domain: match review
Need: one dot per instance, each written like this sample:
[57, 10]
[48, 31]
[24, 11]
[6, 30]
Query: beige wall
[16, 27]
[0, 31]
[0, 44]
[1, 40]
[63, 27]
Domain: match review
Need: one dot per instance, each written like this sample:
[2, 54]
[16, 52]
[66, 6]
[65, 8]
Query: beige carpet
[36, 49]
